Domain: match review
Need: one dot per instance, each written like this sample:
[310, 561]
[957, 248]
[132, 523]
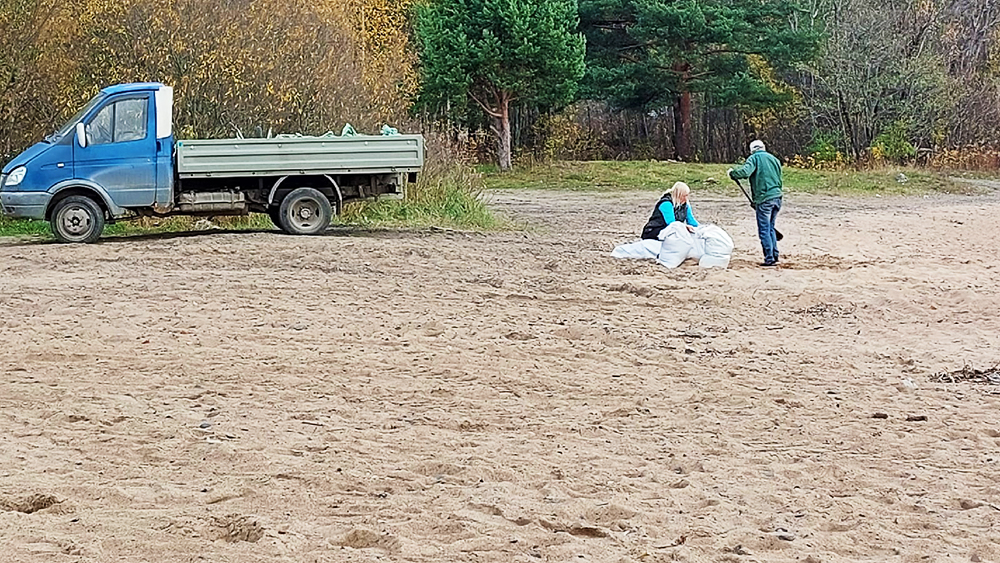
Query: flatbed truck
[117, 159]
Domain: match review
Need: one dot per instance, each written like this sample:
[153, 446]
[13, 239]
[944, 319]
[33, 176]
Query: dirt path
[507, 397]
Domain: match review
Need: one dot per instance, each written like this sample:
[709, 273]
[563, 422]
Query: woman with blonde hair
[673, 206]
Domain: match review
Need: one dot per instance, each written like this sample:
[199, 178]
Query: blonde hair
[679, 189]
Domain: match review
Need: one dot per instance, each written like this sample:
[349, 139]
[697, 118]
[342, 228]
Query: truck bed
[229, 158]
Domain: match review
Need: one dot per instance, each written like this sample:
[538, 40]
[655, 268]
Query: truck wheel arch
[334, 187]
[62, 191]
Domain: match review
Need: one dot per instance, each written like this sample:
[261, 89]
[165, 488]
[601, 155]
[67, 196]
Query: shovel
[777, 233]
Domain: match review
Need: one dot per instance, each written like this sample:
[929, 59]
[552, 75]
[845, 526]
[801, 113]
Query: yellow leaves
[764, 119]
[965, 158]
[388, 64]
[811, 162]
[878, 153]
[233, 70]
[764, 72]
[993, 63]
[927, 8]
[236, 65]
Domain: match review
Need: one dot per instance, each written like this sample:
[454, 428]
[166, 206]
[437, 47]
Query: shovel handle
[777, 233]
[746, 193]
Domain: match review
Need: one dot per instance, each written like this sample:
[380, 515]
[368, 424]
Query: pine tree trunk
[682, 127]
[503, 134]
[682, 115]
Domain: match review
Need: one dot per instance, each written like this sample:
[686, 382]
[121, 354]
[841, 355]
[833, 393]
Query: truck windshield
[74, 120]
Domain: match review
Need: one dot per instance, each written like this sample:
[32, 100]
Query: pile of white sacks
[711, 246]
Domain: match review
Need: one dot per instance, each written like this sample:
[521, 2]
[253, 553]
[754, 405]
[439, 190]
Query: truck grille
[3, 180]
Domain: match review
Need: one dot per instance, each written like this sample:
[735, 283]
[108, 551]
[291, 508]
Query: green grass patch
[20, 228]
[660, 176]
[450, 196]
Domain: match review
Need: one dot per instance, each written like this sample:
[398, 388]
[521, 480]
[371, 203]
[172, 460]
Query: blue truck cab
[115, 153]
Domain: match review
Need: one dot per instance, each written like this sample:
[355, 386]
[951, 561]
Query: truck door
[121, 151]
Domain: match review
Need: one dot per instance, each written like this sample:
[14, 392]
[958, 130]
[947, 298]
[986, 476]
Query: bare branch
[491, 112]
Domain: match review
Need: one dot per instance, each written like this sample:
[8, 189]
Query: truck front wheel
[76, 219]
[305, 211]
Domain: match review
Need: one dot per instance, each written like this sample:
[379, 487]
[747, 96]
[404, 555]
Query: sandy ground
[441, 396]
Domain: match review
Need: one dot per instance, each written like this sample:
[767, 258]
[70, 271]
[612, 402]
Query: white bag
[718, 247]
[678, 245]
[710, 245]
[638, 250]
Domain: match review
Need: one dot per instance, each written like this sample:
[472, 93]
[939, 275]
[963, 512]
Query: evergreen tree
[652, 54]
[493, 53]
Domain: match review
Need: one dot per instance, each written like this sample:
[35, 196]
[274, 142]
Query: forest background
[828, 83]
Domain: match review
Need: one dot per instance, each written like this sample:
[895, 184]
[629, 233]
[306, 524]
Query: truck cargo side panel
[294, 156]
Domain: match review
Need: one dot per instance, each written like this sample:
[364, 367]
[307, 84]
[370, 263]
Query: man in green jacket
[764, 172]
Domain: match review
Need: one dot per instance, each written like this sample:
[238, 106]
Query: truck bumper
[25, 205]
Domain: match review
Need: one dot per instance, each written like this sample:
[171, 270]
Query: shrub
[565, 138]
[893, 145]
[449, 193]
[964, 158]
[823, 147]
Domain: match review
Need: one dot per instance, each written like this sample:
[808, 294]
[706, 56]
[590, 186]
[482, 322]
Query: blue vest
[657, 222]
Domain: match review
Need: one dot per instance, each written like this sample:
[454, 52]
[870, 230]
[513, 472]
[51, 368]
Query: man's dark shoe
[768, 264]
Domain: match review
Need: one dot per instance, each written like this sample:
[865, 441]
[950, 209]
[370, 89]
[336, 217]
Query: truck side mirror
[81, 135]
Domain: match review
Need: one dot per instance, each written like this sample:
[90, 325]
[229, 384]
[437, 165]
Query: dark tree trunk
[847, 126]
[503, 133]
[682, 127]
[682, 116]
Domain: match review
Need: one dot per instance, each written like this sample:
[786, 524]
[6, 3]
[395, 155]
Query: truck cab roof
[133, 87]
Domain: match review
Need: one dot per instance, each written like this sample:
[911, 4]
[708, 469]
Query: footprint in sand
[29, 504]
[367, 539]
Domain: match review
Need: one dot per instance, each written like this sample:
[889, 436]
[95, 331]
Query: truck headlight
[16, 176]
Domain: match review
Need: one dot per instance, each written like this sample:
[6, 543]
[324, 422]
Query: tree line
[827, 81]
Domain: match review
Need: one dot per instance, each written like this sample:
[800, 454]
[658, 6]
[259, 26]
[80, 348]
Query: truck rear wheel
[305, 211]
[77, 219]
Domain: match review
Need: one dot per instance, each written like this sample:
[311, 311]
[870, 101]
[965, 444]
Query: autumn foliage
[239, 67]
[908, 81]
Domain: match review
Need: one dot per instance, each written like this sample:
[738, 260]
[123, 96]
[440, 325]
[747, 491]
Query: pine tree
[653, 54]
[493, 53]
